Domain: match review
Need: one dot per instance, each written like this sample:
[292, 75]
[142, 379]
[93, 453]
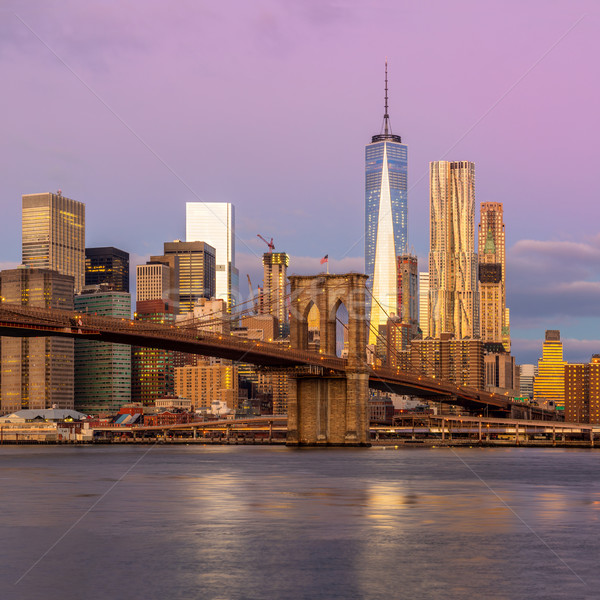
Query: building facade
[205, 384]
[152, 369]
[495, 326]
[386, 220]
[193, 272]
[107, 265]
[102, 370]
[582, 392]
[53, 235]
[526, 379]
[453, 291]
[450, 359]
[273, 299]
[214, 223]
[154, 282]
[549, 384]
[424, 303]
[36, 372]
[408, 292]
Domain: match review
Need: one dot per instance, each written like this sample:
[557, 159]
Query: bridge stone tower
[329, 408]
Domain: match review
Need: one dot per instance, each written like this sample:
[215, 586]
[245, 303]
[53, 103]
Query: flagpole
[328, 265]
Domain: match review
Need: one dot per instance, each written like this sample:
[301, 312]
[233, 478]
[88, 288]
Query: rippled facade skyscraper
[453, 291]
[386, 171]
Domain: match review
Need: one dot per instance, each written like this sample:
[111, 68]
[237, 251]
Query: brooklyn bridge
[328, 395]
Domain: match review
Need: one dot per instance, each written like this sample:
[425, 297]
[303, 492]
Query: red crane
[270, 244]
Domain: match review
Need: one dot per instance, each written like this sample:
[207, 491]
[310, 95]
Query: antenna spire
[386, 116]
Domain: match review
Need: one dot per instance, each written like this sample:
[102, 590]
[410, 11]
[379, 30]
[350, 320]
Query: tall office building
[386, 171]
[495, 326]
[582, 392]
[37, 372]
[54, 235]
[453, 292]
[153, 282]
[152, 369]
[214, 223]
[527, 377]
[107, 265]
[408, 293]
[102, 369]
[273, 299]
[424, 303]
[549, 383]
[193, 272]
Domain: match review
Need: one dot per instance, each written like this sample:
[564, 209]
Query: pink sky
[135, 108]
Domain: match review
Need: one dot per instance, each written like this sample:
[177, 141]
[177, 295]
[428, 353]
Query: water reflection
[271, 523]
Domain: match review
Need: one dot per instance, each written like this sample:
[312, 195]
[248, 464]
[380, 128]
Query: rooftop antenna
[386, 116]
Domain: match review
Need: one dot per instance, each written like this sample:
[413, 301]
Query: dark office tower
[152, 371]
[386, 167]
[37, 372]
[102, 369]
[408, 293]
[54, 235]
[193, 272]
[107, 265]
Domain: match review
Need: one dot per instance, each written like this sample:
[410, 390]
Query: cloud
[554, 279]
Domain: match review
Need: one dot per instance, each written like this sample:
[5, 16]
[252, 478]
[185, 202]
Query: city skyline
[552, 254]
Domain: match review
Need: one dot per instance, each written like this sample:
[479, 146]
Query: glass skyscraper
[54, 234]
[214, 223]
[386, 170]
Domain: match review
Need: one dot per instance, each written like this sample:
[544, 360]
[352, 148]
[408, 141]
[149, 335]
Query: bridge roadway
[20, 321]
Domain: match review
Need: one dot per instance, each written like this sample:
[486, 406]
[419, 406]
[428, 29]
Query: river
[241, 522]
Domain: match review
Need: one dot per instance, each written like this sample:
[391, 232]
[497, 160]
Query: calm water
[256, 522]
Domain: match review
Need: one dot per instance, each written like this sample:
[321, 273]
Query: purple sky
[135, 108]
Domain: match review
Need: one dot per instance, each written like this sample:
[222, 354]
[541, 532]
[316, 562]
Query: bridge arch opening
[312, 317]
[339, 315]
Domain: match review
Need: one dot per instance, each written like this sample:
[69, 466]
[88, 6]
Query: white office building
[214, 223]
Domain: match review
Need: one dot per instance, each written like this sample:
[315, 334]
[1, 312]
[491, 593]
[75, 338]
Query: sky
[136, 108]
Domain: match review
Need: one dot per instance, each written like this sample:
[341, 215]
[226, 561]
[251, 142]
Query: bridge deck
[20, 321]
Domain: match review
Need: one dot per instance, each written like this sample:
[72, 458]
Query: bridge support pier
[328, 410]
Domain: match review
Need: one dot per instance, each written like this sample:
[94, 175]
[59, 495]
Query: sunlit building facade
[582, 392]
[193, 272]
[386, 214]
[214, 223]
[53, 228]
[495, 326]
[153, 282]
[152, 369]
[453, 291]
[205, 384]
[424, 303]
[273, 300]
[37, 372]
[408, 293]
[549, 383]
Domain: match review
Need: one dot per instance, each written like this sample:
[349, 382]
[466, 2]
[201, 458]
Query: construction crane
[270, 244]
